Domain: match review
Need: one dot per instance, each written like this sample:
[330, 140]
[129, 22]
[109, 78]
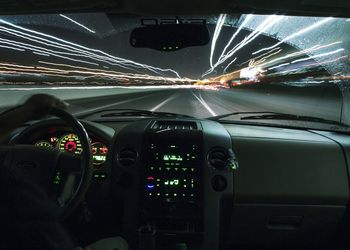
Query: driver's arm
[36, 107]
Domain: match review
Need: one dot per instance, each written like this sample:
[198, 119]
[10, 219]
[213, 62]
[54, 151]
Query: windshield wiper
[277, 116]
[133, 112]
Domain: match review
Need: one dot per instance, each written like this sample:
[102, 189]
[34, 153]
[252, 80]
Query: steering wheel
[42, 165]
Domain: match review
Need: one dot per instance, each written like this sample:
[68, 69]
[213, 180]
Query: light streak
[246, 20]
[48, 51]
[266, 53]
[16, 66]
[9, 47]
[40, 37]
[278, 66]
[298, 33]
[326, 62]
[266, 57]
[262, 28]
[83, 73]
[40, 54]
[301, 52]
[314, 64]
[319, 55]
[93, 87]
[271, 20]
[228, 65]
[217, 30]
[77, 23]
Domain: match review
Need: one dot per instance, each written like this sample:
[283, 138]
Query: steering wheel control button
[219, 183]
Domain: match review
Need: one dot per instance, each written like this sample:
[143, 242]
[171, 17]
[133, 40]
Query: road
[204, 103]
[319, 101]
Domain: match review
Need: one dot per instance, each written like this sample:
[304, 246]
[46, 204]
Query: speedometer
[70, 143]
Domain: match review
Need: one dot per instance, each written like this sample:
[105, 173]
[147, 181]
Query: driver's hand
[36, 107]
[40, 105]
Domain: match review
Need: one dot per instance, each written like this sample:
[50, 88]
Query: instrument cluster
[65, 140]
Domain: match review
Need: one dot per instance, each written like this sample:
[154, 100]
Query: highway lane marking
[200, 99]
[164, 102]
[110, 105]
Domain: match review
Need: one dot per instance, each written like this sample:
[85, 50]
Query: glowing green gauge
[99, 153]
[43, 144]
[70, 143]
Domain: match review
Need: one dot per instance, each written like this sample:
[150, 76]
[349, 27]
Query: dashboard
[56, 135]
[63, 139]
[291, 185]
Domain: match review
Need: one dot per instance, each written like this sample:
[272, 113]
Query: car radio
[172, 174]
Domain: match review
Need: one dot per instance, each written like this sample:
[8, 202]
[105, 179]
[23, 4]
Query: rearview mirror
[170, 37]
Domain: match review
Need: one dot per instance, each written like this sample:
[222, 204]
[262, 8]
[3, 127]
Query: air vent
[174, 125]
[127, 157]
[218, 158]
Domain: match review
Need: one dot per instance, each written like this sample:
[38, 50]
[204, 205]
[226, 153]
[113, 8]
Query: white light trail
[77, 23]
[64, 44]
[266, 57]
[262, 28]
[298, 33]
[217, 31]
[271, 20]
[273, 52]
[228, 65]
[279, 66]
[8, 47]
[326, 62]
[53, 52]
[83, 73]
[246, 20]
[117, 74]
[319, 55]
[41, 54]
[301, 52]
[314, 64]
[93, 87]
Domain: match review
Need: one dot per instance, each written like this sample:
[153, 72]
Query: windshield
[273, 63]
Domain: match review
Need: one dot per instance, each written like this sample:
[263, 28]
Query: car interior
[169, 181]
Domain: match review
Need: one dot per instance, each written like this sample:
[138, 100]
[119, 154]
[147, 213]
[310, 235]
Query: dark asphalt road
[204, 103]
[320, 101]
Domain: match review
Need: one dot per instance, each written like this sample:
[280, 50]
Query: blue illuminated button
[150, 183]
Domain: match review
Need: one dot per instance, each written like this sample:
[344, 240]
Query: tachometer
[44, 144]
[70, 143]
[99, 153]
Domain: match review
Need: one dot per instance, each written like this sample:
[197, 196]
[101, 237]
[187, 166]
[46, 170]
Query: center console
[174, 177]
[171, 183]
